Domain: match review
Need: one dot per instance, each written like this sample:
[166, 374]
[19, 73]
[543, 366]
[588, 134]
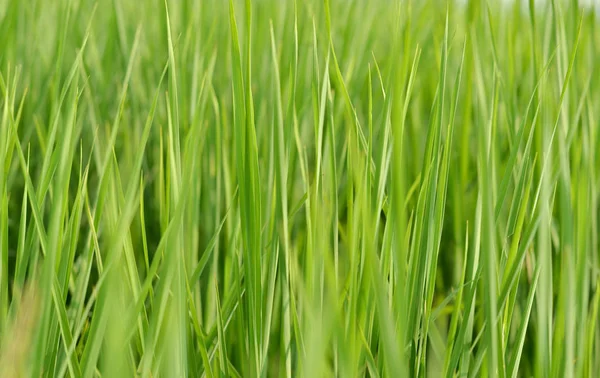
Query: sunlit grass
[298, 188]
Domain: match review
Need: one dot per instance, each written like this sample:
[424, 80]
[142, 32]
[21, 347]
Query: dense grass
[312, 188]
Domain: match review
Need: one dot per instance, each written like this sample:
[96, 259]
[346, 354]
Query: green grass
[299, 189]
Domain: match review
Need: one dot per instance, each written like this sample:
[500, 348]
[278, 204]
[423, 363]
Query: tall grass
[299, 188]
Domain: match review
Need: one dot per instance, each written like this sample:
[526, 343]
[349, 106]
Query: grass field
[299, 189]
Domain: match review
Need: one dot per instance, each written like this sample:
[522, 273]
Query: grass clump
[298, 188]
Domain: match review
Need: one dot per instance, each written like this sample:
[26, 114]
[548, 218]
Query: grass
[299, 188]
